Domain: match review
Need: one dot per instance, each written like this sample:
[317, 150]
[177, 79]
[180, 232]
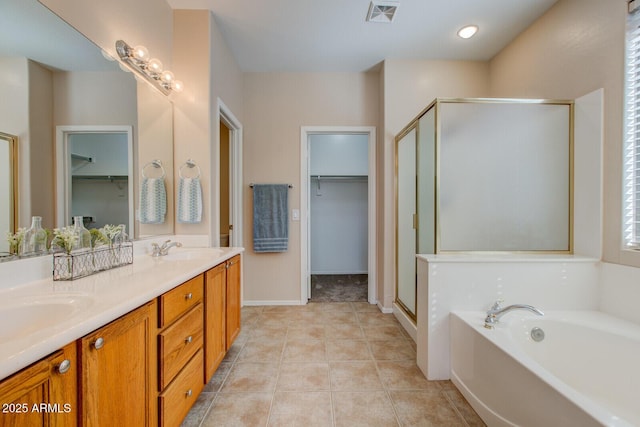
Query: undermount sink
[191, 254]
[27, 315]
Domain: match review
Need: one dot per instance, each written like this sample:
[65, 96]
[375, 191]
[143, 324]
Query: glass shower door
[406, 223]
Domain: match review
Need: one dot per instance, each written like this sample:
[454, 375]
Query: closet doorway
[338, 218]
[227, 229]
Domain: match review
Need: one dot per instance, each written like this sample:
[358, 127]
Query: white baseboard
[383, 309]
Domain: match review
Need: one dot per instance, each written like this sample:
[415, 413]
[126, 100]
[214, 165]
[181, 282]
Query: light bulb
[468, 31]
[167, 76]
[177, 86]
[140, 53]
[155, 66]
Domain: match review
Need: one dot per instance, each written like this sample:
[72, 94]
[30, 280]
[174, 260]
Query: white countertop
[99, 299]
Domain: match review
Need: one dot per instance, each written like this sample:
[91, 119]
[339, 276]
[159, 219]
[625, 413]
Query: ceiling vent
[382, 11]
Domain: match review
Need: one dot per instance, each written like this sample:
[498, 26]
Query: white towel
[189, 200]
[153, 201]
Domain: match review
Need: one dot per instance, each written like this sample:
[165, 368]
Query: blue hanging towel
[153, 201]
[270, 217]
[189, 201]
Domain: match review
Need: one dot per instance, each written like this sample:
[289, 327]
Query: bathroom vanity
[130, 346]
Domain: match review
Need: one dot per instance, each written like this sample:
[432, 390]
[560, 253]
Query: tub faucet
[163, 250]
[497, 311]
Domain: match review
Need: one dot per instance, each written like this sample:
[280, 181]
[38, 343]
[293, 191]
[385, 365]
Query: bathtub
[584, 372]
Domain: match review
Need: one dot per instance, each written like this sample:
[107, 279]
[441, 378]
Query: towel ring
[190, 164]
[156, 164]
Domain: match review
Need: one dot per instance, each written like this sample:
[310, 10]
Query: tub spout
[497, 311]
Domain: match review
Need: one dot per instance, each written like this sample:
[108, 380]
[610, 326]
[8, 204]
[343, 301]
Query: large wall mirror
[53, 77]
[8, 190]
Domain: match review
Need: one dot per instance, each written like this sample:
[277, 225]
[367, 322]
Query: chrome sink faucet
[163, 250]
[497, 311]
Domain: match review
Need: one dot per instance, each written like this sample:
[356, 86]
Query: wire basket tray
[84, 263]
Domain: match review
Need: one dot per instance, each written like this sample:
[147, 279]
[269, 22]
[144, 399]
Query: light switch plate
[295, 214]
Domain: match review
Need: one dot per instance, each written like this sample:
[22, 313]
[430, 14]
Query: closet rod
[252, 184]
[340, 177]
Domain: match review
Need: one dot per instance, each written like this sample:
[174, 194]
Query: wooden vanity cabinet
[43, 394]
[215, 319]
[116, 365]
[222, 312]
[142, 369]
[233, 308]
[180, 350]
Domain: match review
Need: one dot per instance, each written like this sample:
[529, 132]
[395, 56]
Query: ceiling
[332, 35]
[28, 29]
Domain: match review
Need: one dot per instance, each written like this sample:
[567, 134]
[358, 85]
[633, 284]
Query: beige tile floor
[326, 365]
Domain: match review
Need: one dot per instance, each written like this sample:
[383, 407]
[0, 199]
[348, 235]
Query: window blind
[631, 190]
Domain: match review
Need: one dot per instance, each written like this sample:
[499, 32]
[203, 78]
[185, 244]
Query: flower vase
[83, 240]
[81, 265]
[34, 241]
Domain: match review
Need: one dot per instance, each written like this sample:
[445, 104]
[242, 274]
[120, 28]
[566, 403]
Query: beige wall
[41, 147]
[209, 72]
[409, 87]
[575, 48]
[94, 98]
[192, 108]
[227, 86]
[276, 105]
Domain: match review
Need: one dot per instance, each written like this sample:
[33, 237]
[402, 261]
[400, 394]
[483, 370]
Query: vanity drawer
[182, 393]
[179, 342]
[180, 300]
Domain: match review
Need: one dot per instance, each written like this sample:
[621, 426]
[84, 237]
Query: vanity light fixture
[137, 59]
[468, 31]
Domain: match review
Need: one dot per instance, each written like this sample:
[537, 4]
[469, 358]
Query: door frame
[226, 116]
[305, 241]
[63, 170]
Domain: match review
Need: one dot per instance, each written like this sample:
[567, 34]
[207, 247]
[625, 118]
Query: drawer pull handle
[98, 344]
[189, 393]
[64, 366]
[189, 339]
[188, 296]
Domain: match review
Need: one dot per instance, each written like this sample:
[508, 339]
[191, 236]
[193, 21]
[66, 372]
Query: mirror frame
[12, 140]
[63, 170]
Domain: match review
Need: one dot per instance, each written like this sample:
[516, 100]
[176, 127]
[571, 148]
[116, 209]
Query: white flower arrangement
[15, 239]
[98, 238]
[112, 231]
[64, 238]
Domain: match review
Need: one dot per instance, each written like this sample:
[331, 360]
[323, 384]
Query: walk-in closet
[338, 206]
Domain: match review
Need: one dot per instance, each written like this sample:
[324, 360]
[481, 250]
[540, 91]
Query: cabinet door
[116, 372]
[43, 394]
[233, 299]
[214, 315]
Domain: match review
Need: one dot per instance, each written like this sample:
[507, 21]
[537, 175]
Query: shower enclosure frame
[434, 189]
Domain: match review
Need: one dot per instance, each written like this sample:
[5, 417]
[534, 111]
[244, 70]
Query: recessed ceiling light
[382, 11]
[468, 31]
